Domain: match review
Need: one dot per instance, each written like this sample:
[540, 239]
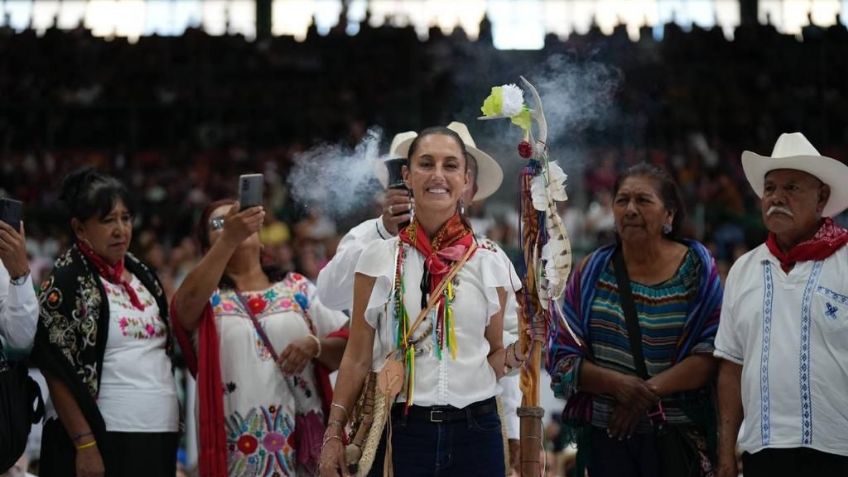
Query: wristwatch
[20, 280]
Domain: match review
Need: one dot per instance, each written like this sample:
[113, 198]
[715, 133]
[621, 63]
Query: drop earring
[461, 207]
[666, 229]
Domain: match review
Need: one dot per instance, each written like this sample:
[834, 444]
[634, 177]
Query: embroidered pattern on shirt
[832, 306]
[488, 244]
[290, 294]
[260, 443]
[804, 365]
[122, 298]
[832, 295]
[73, 333]
[141, 329]
[768, 299]
[831, 311]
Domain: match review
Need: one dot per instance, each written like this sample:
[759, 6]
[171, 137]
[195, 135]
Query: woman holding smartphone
[103, 344]
[262, 337]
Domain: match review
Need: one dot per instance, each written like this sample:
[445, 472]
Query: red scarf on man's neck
[112, 273]
[448, 245]
[829, 238]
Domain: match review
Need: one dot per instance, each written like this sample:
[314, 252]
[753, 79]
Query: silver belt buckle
[433, 414]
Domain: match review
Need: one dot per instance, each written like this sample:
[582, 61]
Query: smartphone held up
[11, 212]
[250, 190]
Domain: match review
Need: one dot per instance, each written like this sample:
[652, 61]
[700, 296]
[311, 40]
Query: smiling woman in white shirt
[445, 418]
[103, 344]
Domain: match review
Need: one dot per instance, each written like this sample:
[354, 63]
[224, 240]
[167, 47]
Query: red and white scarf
[827, 240]
[112, 273]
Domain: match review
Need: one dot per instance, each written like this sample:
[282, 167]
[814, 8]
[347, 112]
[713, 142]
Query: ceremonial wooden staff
[546, 252]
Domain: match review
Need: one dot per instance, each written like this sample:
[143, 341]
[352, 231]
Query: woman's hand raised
[239, 225]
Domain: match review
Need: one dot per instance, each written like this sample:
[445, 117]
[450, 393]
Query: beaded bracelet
[518, 361]
[515, 353]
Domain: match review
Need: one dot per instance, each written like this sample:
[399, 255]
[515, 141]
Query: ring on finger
[391, 209]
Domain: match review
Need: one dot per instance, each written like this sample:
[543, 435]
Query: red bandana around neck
[829, 238]
[448, 246]
[112, 274]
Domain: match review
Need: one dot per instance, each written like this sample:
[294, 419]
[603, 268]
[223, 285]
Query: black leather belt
[437, 414]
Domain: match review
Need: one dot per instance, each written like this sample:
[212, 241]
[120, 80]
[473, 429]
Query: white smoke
[337, 179]
[576, 95]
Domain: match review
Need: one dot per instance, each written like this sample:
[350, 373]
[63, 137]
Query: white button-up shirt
[335, 290]
[789, 331]
[457, 382]
[18, 312]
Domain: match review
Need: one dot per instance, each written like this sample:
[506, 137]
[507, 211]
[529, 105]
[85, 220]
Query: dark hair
[86, 193]
[667, 190]
[437, 130]
[272, 271]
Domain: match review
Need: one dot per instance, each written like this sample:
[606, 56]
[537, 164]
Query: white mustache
[775, 209]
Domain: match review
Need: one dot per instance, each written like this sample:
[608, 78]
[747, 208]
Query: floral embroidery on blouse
[303, 385]
[261, 443]
[123, 299]
[289, 294]
[138, 328]
[141, 329]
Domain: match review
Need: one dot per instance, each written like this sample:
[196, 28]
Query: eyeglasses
[216, 223]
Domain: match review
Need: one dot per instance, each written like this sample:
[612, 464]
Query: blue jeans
[467, 447]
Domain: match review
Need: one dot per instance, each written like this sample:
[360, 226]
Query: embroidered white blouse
[137, 388]
[790, 334]
[459, 382]
[261, 404]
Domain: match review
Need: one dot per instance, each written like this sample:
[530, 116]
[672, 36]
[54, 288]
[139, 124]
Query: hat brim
[489, 172]
[830, 171]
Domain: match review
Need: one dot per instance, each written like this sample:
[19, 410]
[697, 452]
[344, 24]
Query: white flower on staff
[512, 100]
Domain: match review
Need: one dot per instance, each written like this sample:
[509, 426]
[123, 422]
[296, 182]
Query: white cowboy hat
[489, 173]
[794, 151]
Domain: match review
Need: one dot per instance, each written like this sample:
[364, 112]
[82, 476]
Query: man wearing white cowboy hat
[335, 281]
[783, 335]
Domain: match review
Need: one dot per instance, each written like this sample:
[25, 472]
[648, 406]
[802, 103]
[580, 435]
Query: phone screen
[11, 212]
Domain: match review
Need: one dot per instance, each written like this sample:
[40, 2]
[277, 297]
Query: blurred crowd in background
[179, 118]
